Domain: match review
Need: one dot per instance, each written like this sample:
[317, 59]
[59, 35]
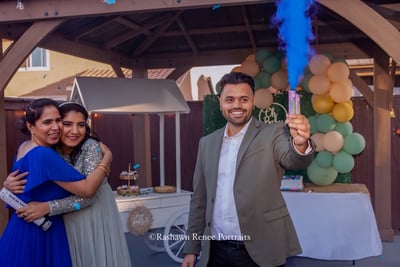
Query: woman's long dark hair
[65, 108]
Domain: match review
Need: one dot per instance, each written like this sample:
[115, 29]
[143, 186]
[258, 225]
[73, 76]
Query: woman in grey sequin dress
[94, 233]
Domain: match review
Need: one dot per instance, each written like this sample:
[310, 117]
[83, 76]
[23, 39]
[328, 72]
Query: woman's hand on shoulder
[105, 150]
[15, 182]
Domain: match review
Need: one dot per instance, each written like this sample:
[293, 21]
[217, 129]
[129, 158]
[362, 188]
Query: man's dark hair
[236, 78]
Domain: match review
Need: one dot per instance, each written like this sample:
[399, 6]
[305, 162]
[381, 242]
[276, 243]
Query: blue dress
[25, 244]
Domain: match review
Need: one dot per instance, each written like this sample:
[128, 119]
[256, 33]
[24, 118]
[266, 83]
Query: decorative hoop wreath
[139, 220]
[269, 114]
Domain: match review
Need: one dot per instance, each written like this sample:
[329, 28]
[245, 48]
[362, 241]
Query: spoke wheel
[153, 239]
[175, 233]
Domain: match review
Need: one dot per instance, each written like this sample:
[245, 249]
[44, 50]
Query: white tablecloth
[334, 226]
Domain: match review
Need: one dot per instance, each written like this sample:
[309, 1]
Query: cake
[128, 175]
[124, 190]
[165, 189]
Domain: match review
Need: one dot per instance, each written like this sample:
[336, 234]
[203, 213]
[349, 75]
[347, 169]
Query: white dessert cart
[169, 219]
[169, 211]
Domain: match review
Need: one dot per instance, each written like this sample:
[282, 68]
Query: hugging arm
[91, 156]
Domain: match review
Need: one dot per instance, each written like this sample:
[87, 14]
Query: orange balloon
[279, 80]
[340, 92]
[319, 84]
[317, 138]
[322, 104]
[342, 112]
[237, 69]
[338, 72]
[333, 141]
[250, 67]
[251, 57]
[319, 64]
[263, 98]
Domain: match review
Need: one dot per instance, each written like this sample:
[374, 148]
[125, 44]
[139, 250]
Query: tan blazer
[265, 152]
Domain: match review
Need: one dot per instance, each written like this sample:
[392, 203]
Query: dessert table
[336, 222]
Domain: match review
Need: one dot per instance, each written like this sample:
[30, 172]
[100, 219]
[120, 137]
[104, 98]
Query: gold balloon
[322, 104]
[342, 112]
[338, 72]
[319, 64]
[263, 97]
[319, 84]
[279, 80]
[250, 67]
[340, 91]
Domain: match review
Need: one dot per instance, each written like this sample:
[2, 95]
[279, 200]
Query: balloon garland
[327, 80]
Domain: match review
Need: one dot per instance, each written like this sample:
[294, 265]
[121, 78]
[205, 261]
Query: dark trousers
[230, 254]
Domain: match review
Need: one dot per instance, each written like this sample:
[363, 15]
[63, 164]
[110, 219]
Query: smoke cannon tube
[293, 102]
[16, 203]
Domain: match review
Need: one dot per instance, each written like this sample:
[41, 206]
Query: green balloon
[324, 159]
[261, 55]
[257, 83]
[264, 78]
[344, 128]
[343, 162]
[321, 176]
[325, 123]
[271, 64]
[354, 143]
[313, 124]
[218, 88]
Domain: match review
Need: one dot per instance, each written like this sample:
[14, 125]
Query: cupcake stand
[160, 213]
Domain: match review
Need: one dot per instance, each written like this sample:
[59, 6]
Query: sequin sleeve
[89, 157]
[69, 204]
[86, 162]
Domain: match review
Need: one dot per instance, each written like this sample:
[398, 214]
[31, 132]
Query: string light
[20, 5]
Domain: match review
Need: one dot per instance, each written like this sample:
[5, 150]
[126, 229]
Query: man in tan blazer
[238, 216]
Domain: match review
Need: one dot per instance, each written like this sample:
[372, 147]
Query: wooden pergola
[151, 34]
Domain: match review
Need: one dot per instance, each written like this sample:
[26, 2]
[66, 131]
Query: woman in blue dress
[50, 177]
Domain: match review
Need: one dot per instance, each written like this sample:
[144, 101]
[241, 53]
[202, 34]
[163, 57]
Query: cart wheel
[175, 233]
[153, 239]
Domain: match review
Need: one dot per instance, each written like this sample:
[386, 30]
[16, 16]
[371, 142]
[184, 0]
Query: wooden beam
[381, 31]
[248, 28]
[187, 35]
[118, 71]
[50, 9]
[20, 49]
[155, 35]
[383, 97]
[146, 29]
[363, 87]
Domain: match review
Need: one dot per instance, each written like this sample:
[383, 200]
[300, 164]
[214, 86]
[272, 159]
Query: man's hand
[14, 182]
[189, 260]
[299, 130]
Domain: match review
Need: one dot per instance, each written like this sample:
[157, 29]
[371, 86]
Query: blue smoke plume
[295, 33]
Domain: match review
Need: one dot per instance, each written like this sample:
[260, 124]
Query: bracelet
[104, 168]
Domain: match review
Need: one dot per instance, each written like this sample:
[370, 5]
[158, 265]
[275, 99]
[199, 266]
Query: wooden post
[3, 159]
[383, 99]
[141, 140]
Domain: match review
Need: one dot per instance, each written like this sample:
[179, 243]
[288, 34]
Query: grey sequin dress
[95, 234]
